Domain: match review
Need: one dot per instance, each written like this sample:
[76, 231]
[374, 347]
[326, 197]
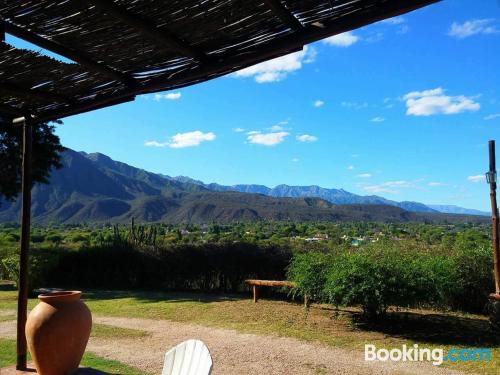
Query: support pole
[22, 304]
[494, 218]
[255, 290]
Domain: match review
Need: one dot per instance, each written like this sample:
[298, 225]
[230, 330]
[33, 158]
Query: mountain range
[335, 196]
[94, 188]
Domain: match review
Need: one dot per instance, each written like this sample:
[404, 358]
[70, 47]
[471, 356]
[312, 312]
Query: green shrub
[473, 267]
[41, 264]
[210, 267]
[375, 277]
[310, 271]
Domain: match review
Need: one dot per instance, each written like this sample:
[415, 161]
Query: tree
[45, 156]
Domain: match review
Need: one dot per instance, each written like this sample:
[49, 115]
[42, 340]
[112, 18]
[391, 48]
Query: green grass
[8, 358]
[6, 318]
[321, 323]
[107, 331]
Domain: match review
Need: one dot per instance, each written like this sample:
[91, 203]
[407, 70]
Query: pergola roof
[124, 48]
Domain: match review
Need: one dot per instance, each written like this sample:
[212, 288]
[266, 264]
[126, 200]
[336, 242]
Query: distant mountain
[95, 188]
[335, 196]
[451, 209]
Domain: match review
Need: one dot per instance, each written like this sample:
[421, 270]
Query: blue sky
[402, 108]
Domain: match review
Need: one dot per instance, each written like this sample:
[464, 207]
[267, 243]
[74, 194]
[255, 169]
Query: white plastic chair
[190, 357]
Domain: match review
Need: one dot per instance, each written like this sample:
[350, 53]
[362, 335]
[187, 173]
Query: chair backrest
[190, 357]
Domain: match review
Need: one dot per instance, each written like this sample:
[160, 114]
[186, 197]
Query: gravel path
[236, 353]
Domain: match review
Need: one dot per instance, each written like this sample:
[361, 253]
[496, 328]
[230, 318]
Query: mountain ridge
[335, 196]
[95, 188]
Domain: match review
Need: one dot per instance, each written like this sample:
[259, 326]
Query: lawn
[8, 358]
[339, 328]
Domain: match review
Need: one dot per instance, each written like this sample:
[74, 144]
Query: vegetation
[46, 147]
[321, 323]
[457, 275]
[8, 358]
[346, 264]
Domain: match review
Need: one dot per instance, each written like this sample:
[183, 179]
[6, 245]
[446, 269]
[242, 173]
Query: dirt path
[237, 353]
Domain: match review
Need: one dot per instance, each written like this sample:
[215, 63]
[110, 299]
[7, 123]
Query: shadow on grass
[150, 296]
[434, 328]
[6, 286]
[90, 371]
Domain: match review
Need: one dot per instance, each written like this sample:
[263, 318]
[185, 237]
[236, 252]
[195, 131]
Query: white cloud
[364, 175]
[492, 116]
[374, 37]
[307, 138]
[389, 187]
[342, 40]
[276, 128]
[354, 105]
[472, 27]
[394, 20]
[351, 167]
[434, 101]
[436, 184]
[277, 69]
[168, 96]
[477, 178]
[155, 144]
[377, 119]
[318, 103]
[181, 140]
[238, 130]
[266, 139]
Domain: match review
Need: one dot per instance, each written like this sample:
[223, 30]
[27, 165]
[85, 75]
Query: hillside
[95, 188]
[335, 196]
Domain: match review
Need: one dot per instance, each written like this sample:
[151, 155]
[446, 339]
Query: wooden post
[22, 304]
[494, 215]
[255, 289]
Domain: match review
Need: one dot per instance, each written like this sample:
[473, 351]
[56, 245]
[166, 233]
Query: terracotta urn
[57, 331]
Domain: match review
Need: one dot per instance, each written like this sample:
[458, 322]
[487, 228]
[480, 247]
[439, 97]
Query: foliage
[185, 267]
[42, 263]
[377, 279]
[310, 272]
[387, 273]
[46, 149]
[445, 266]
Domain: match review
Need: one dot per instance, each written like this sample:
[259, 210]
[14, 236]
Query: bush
[41, 264]
[376, 277]
[309, 271]
[210, 267]
[474, 279]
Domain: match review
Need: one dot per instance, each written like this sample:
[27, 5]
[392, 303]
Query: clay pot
[57, 331]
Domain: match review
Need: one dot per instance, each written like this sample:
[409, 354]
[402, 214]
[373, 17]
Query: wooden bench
[256, 284]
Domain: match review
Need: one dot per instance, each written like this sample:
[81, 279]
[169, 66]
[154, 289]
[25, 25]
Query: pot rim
[60, 296]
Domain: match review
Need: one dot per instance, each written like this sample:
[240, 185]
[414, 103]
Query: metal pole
[22, 303]
[494, 216]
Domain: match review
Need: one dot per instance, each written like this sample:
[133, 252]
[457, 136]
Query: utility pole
[491, 178]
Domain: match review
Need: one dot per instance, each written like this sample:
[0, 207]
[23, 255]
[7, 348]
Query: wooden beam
[255, 282]
[22, 304]
[4, 108]
[70, 53]
[162, 36]
[284, 14]
[12, 89]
